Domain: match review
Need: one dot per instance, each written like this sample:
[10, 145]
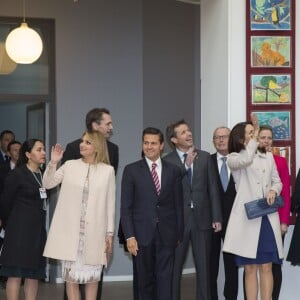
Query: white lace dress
[77, 271]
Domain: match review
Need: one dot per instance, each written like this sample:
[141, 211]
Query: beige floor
[111, 290]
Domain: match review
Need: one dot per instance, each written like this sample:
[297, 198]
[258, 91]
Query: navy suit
[230, 268]
[197, 219]
[156, 221]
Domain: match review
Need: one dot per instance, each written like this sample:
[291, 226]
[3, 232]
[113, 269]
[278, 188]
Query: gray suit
[198, 220]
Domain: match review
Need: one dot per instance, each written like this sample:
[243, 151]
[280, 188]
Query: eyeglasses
[221, 137]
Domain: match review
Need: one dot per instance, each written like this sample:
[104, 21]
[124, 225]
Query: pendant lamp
[23, 44]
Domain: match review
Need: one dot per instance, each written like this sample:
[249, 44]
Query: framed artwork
[271, 51]
[283, 151]
[271, 89]
[270, 72]
[280, 121]
[270, 15]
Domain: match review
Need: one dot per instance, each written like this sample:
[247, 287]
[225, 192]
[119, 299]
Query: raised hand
[191, 155]
[56, 153]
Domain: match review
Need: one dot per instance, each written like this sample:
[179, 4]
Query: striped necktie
[155, 178]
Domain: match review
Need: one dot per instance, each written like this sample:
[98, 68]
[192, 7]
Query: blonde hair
[100, 144]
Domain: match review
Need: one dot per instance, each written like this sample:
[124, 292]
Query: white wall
[223, 91]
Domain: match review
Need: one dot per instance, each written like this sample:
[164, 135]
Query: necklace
[40, 183]
[42, 190]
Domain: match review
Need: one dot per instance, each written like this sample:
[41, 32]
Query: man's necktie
[6, 157]
[224, 174]
[188, 171]
[155, 178]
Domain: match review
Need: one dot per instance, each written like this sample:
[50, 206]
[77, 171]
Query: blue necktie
[188, 171]
[224, 174]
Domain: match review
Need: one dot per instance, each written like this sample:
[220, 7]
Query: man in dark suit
[226, 188]
[202, 208]
[97, 119]
[152, 217]
[6, 136]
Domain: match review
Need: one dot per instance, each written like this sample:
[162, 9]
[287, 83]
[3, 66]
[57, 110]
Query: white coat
[63, 238]
[254, 175]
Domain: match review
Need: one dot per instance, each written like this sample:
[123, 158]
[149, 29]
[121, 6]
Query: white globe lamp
[24, 45]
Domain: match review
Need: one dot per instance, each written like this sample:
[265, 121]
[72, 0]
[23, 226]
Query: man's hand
[217, 226]
[132, 246]
[191, 154]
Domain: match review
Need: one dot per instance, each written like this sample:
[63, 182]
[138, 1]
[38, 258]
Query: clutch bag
[260, 207]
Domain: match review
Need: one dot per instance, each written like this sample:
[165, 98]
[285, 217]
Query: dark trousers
[82, 290]
[154, 268]
[201, 244]
[230, 291]
[277, 280]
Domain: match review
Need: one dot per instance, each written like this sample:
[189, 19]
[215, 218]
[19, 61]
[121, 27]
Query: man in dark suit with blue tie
[226, 188]
[152, 217]
[202, 208]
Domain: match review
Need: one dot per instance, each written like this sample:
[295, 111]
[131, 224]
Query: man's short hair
[171, 130]
[95, 115]
[13, 143]
[154, 131]
[6, 132]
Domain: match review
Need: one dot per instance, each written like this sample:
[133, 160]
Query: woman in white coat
[81, 232]
[257, 243]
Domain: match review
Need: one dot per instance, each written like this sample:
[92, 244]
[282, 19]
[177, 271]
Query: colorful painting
[271, 89]
[270, 14]
[270, 51]
[280, 121]
[284, 151]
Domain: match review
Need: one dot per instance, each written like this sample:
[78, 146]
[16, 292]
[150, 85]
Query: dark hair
[6, 132]
[171, 130]
[94, 115]
[154, 131]
[12, 143]
[266, 127]
[26, 147]
[237, 137]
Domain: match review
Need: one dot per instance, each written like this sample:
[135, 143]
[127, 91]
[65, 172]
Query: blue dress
[267, 248]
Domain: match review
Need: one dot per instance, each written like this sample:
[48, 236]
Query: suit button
[157, 206]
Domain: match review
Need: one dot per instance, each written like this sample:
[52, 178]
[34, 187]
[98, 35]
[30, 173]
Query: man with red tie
[152, 217]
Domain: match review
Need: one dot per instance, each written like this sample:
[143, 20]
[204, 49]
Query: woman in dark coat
[294, 251]
[22, 210]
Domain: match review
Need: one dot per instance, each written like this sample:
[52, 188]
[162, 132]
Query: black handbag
[260, 207]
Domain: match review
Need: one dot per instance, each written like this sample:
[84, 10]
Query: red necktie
[155, 178]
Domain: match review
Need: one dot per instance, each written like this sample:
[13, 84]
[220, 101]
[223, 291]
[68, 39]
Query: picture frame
[283, 151]
[279, 121]
[270, 15]
[269, 89]
[271, 51]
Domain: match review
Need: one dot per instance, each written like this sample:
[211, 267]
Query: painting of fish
[280, 121]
